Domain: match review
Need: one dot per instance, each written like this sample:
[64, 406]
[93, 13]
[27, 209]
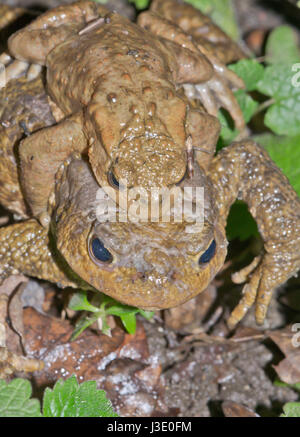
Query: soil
[184, 362]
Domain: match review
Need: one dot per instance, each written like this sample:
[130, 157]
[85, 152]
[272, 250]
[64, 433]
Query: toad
[137, 102]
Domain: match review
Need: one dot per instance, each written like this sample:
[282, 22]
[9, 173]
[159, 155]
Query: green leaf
[247, 104]
[285, 152]
[129, 321]
[147, 314]
[283, 115]
[221, 12]
[119, 310]
[240, 223]
[69, 399]
[79, 302]
[140, 4]
[83, 324]
[250, 71]
[282, 46]
[15, 399]
[109, 306]
[279, 383]
[291, 409]
[228, 132]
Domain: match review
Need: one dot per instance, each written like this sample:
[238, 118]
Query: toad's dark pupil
[208, 254]
[113, 180]
[100, 252]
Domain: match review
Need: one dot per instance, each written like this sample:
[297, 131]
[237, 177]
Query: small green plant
[290, 409]
[140, 4]
[108, 306]
[66, 399]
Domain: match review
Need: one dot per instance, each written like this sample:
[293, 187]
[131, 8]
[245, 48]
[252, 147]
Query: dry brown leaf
[289, 368]
[233, 409]
[120, 364]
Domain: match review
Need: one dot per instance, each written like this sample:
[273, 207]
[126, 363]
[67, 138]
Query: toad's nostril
[173, 276]
[158, 262]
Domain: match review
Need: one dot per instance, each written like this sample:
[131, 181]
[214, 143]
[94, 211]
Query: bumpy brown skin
[121, 83]
[23, 109]
[119, 86]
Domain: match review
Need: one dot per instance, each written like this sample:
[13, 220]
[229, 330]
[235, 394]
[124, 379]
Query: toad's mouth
[151, 277]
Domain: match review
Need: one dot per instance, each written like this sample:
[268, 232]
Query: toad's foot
[243, 274]
[11, 362]
[15, 68]
[214, 94]
[217, 92]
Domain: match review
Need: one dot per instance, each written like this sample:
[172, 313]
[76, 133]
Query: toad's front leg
[25, 248]
[41, 155]
[245, 171]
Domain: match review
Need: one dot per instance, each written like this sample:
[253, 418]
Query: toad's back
[119, 55]
[123, 76]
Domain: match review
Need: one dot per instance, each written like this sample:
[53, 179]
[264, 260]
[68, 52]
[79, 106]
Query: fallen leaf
[289, 368]
[233, 409]
[120, 364]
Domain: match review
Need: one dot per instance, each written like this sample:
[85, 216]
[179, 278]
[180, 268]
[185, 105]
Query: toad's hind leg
[245, 171]
[205, 33]
[23, 110]
[34, 42]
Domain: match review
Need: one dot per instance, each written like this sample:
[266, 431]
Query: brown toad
[137, 102]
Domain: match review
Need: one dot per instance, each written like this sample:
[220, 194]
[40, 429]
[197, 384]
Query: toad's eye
[99, 251]
[208, 254]
[112, 180]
